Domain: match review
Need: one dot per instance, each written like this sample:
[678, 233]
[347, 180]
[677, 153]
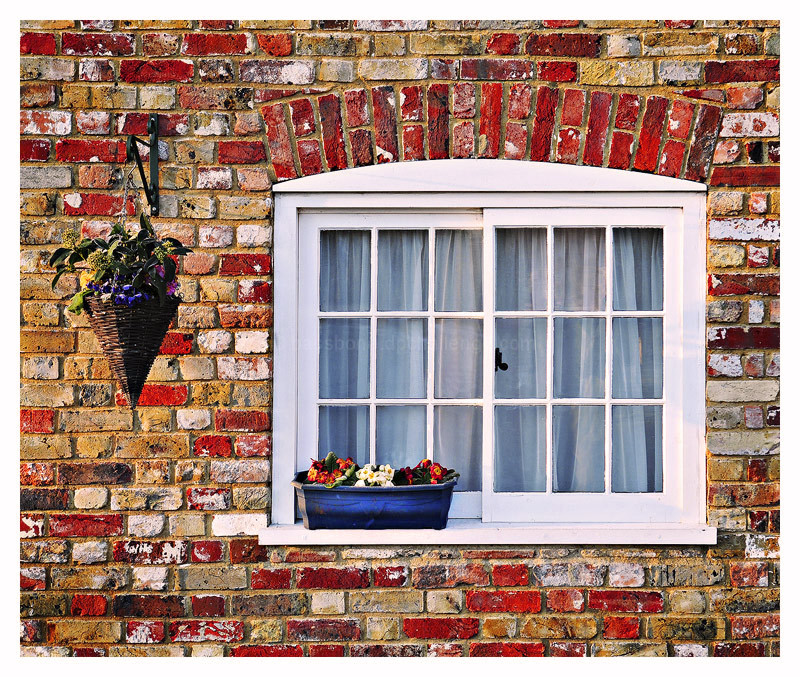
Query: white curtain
[579, 268]
[344, 265]
[520, 449]
[401, 436]
[457, 443]
[345, 432]
[403, 270]
[521, 269]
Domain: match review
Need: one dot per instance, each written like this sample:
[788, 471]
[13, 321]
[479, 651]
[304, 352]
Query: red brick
[565, 600]
[274, 650]
[444, 69]
[510, 574]
[355, 102]
[411, 103]
[97, 204]
[627, 111]
[442, 649]
[491, 110]
[561, 23]
[37, 43]
[568, 146]
[215, 98]
[89, 652]
[541, 139]
[157, 396]
[523, 601]
[568, 649]
[739, 649]
[302, 117]
[655, 114]
[749, 574]
[706, 128]
[506, 649]
[169, 124]
[707, 94]
[198, 263]
[88, 605]
[680, 119]
[85, 525]
[336, 629]
[207, 551]
[253, 445]
[597, 128]
[208, 498]
[36, 474]
[746, 176]
[44, 499]
[519, 101]
[683, 23]
[626, 600]
[390, 576]
[242, 421]
[271, 579]
[216, 24]
[496, 69]
[745, 494]
[734, 284]
[36, 420]
[572, 110]
[150, 552]
[755, 627]
[95, 473]
[557, 71]
[206, 631]
[330, 113]
[98, 150]
[516, 142]
[176, 343]
[202, 44]
[308, 152]
[739, 338]
[30, 525]
[361, 147]
[208, 605]
[241, 152]
[619, 157]
[278, 44]
[309, 556]
[36, 580]
[253, 317]
[438, 125]
[440, 628]
[758, 520]
[97, 44]
[156, 70]
[248, 551]
[750, 70]
[563, 44]
[280, 148]
[671, 159]
[384, 111]
[144, 632]
[245, 264]
[413, 148]
[448, 576]
[503, 43]
[621, 627]
[210, 446]
[334, 578]
[34, 150]
[329, 650]
[36, 94]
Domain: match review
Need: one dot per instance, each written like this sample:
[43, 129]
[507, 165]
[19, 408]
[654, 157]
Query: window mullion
[431, 346]
[489, 343]
[373, 344]
[609, 354]
[549, 365]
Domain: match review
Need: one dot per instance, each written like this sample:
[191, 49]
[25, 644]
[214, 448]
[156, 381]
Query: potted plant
[336, 493]
[130, 292]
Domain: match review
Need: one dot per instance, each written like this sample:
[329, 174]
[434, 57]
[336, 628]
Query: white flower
[360, 483]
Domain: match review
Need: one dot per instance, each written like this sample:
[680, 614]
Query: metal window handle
[498, 361]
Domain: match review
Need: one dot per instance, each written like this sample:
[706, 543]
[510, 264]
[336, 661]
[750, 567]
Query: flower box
[423, 506]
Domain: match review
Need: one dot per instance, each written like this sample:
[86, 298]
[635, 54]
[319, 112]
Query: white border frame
[482, 185]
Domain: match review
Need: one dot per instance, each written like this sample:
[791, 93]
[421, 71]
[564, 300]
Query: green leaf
[145, 224]
[59, 255]
[169, 270]
[161, 288]
[77, 302]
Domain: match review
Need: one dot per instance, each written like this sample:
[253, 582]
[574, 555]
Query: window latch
[498, 361]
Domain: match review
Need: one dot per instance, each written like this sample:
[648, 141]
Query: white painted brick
[217, 341]
[90, 552]
[739, 443]
[248, 524]
[742, 391]
[250, 235]
[193, 419]
[750, 124]
[243, 369]
[725, 364]
[252, 342]
[744, 229]
[150, 578]
[90, 498]
[145, 526]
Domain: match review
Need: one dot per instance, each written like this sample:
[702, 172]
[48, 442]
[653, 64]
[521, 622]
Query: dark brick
[279, 604]
[44, 499]
[95, 473]
[334, 629]
[149, 606]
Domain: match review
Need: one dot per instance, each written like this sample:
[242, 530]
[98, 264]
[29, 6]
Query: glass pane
[579, 356]
[578, 448]
[519, 449]
[401, 436]
[459, 347]
[403, 270]
[579, 268]
[523, 345]
[459, 270]
[344, 277]
[402, 355]
[457, 443]
[521, 269]
[638, 357]
[343, 358]
[636, 435]
[638, 269]
[345, 432]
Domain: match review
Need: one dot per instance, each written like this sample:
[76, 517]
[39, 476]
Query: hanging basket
[131, 338]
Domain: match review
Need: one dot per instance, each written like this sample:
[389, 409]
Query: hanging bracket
[132, 153]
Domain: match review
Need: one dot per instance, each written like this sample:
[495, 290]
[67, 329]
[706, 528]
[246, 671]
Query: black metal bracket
[132, 153]
[498, 361]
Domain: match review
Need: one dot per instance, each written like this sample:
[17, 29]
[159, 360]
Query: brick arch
[313, 133]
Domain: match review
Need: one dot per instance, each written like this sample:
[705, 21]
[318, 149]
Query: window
[547, 343]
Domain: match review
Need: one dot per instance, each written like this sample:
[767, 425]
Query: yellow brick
[93, 421]
[76, 96]
[551, 627]
[213, 393]
[47, 341]
[37, 204]
[674, 43]
[93, 446]
[617, 73]
[155, 419]
[149, 446]
[445, 44]
[90, 632]
[726, 469]
[44, 447]
[264, 631]
[499, 627]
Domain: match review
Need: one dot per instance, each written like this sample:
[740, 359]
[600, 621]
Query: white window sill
[475, 532]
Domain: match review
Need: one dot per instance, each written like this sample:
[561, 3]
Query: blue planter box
[414, 507]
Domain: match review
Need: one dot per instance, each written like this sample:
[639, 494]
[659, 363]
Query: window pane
[579, 356]
[344, 277]
[519, 449]
[459, 270]
[403, 270]
[638, 268]
[343, 358]
[638, 357]
[457, 443]
[345, 432]
[636, 463]
[521, 269]
[579, 268]
[523, 344]
[578, 448]
[402, 354]
[459, 348]
[401, 438]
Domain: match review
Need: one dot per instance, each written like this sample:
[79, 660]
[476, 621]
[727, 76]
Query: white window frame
[509, 193]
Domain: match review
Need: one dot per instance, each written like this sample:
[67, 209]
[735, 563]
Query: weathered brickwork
[138, 528]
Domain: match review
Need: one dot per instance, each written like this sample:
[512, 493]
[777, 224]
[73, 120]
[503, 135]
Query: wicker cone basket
[131, 338]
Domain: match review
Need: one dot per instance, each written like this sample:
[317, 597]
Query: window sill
[475, 532]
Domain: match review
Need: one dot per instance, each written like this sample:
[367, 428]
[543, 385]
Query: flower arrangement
[126, 268]
[336, 472]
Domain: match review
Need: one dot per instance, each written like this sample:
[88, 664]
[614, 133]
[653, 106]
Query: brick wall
[135, 525]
